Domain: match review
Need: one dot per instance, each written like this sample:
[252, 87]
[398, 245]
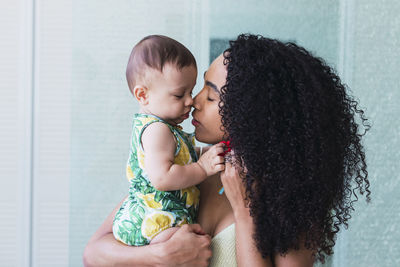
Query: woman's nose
[196, 102]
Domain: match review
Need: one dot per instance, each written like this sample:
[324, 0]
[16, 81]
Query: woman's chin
[206, 138]
[200, 136]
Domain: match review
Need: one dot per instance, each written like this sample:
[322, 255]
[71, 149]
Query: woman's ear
[141, 94]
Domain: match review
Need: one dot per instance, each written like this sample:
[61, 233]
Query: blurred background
[65, 108]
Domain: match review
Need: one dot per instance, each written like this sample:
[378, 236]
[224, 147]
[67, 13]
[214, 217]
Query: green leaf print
[128, 221]
[126, 225]
[183, 198]
[158, 196]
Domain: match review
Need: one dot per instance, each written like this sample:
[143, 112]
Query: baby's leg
[164, 235]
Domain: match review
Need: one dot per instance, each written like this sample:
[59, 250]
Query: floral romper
[147, 211]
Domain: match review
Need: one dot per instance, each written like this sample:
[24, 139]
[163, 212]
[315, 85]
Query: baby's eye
[178, 96]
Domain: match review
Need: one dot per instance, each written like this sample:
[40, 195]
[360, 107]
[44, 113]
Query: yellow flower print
[183, 157]
[141, 159]
[155, 222]
[129, 173]
[149, 201]
[193, 141]
[192, 196]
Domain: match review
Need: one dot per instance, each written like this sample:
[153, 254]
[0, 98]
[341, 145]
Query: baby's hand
[211, 161]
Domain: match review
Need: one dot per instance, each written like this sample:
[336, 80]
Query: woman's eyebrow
[213, 86]
[210, 84]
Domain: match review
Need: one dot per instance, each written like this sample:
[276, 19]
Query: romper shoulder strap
[142, 121]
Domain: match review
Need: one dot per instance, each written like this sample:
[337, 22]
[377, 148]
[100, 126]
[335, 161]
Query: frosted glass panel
[313, 24]
[373, 236]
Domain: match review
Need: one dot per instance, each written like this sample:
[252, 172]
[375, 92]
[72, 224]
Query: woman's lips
[195, 123]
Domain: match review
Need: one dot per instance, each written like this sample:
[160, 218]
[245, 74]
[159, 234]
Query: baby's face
[170, 93]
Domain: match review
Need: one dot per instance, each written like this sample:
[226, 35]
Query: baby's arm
[159, 145]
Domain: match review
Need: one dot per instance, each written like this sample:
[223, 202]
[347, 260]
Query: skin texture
[104, 250]
[167, 94]
[206, 114]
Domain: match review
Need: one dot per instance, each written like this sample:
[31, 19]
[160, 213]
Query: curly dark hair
[293, 128]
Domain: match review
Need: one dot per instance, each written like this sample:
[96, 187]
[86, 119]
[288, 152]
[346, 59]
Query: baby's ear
[140, 92]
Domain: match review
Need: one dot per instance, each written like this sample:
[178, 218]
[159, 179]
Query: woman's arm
[189, 246]
[247, 253]
[246, 250]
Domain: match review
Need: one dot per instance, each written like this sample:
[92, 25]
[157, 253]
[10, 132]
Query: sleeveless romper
[147, 211]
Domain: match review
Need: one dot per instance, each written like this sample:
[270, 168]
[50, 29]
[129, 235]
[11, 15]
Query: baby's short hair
[154, 51]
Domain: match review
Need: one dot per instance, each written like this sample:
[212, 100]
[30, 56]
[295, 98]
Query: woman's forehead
[217, 72]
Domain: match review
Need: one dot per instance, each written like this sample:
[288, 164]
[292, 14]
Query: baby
[163, 167]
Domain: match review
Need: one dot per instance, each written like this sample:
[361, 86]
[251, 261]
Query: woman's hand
[234, 189]
[189, 246]
[247, 253]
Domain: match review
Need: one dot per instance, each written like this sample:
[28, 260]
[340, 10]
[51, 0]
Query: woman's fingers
[230, 172]
[234, 188]
[195, 228]
[187, 248]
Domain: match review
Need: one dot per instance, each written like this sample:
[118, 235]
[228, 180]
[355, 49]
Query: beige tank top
[224, 248]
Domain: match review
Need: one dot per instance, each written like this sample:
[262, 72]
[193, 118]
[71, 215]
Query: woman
[297, 165]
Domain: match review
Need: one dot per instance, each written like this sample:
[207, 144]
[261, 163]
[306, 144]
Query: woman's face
[206, 118]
